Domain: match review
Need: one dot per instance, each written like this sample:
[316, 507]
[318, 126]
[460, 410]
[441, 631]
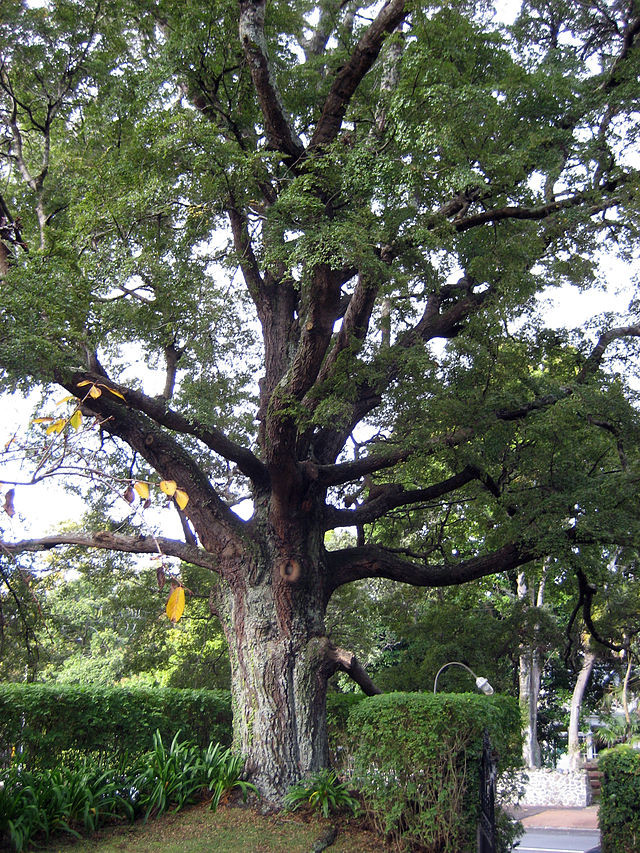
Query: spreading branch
[373, 561]
[106, 540]
[157, 410]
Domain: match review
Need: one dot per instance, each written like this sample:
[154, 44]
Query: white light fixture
[481, 683]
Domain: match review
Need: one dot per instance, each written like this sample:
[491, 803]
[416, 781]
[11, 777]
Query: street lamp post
[481, 683]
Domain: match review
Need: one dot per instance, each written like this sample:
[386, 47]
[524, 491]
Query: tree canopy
[290, 252]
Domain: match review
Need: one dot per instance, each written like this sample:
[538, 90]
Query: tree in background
[99, 619]
[290, 252]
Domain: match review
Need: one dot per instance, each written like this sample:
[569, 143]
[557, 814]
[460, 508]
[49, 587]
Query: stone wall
[555, 788]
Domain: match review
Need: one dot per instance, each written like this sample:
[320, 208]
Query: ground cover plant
[37, 805]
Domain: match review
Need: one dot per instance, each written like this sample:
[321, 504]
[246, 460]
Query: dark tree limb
[392, 496]
[373, 561]
[155, 409]
[351, 74]
[593, 361]
[106, 540]
[349, 663]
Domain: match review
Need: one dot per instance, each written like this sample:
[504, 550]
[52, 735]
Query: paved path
[558, 830]
[541, 817]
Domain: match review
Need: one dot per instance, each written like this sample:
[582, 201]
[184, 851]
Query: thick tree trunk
[575, 757]
[280, 662]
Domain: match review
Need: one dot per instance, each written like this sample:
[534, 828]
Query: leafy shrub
[619, 813]
[324, 792]
[339, 706]
[417, 763]
[184, 773]
[50, 724]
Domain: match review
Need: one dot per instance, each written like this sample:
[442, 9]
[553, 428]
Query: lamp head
[483, 685]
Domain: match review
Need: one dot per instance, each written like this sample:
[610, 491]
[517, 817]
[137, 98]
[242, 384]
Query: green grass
[232, 829]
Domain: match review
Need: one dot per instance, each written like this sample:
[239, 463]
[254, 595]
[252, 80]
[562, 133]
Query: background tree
[358, 206]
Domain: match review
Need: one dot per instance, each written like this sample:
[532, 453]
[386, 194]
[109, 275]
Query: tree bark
[272, 605]
[530, 675]
[575, 758]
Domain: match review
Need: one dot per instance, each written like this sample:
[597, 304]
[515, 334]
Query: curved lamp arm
[481, 683]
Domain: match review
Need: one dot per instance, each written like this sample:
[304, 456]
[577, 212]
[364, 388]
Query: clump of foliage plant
[323, 792]
[72, 800]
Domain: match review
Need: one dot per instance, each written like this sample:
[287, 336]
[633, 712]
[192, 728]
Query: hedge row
[619, 813]
[416, 761]
[47, 722]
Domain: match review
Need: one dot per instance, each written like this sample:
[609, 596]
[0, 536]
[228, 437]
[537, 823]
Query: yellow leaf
[84, 382]
[66, 399]
[168, 487]
[114, 392]
[94, 392]
[57, 426]
[175, 604]
[142, 489]
[182, 498]
[76, 419]
[41, 420]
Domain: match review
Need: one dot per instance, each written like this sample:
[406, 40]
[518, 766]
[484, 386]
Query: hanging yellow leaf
[175, 604]
[94, 392]
[168, 487]
[142, 489]
[76, 419]
[84, 382]
[57, 426]
[41, 420]
[66, 399]
[182, 498]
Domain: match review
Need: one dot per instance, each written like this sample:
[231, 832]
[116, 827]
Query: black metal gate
[487, 820]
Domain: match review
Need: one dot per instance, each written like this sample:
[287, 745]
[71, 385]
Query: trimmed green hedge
[48, 721]
[417, 761]
[619, 813]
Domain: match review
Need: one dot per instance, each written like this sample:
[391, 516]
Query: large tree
[328, 222]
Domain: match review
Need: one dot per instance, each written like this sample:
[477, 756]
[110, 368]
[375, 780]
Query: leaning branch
[349, 663]
[351, 74]
[280, 135]
[116, 542]
[158, 411]
[593, 361]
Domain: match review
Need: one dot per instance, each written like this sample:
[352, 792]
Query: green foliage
[46, 723]
[416, 760]
[177, 775]
[619, 814]
[64, 800]
[84, 796]
[323, 792]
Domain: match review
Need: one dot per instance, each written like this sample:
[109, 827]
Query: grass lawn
[232, 829]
